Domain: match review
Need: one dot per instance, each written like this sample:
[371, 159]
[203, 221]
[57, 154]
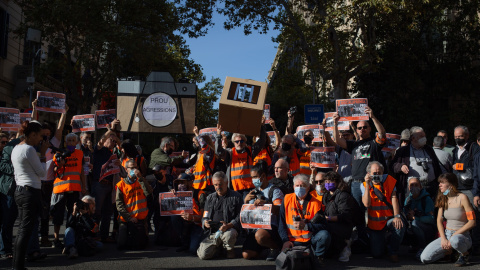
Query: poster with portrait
[256, 217]
[211, 132]
[109, 168]
[9, 119]
[85, 122]
[329, 125]
[323, 157]
[266, 113]
[25, 117]
[172, 204]
[50, 102]
[316, 129]
[273, 139]
[393, 142]
[105, 117]
[352, 109]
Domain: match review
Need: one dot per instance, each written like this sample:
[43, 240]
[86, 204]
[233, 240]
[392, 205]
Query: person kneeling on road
[298, 224]
[131, 201]
[81, 228]
[222, 218]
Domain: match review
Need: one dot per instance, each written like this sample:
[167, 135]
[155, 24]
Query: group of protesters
[425, 197]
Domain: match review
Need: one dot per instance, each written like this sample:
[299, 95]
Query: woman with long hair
[455, 208]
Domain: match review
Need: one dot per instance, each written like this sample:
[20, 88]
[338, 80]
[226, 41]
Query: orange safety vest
[378, 212]
[70, 174]
[265, 156]
[295, 165]
[196, 207]
[240, 170]
[134, 199]
[203, 176]
[319, 198]
[305, 163]
[293, 208]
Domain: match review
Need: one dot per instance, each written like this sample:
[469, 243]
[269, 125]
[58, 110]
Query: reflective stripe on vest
[240, 170]
[202, 176]
[70, 173]
[196, 208]
[134, 200]
[305, 163]
[378, 212]
[263, 155]
[295, 165]
[291, 210]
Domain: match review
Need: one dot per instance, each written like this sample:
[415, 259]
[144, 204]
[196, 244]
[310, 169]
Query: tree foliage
[207, 96]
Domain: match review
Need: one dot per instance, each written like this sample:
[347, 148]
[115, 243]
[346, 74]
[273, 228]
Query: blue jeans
[190, 234]
[69, 239]
[434, 251]
[9, 215]
[377, 239]
[423, 233]
[320, 242]
[357, 195]
[103, 206]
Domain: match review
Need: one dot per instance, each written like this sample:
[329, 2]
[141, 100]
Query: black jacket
[467, 158]
[285, 186]
[232, 204]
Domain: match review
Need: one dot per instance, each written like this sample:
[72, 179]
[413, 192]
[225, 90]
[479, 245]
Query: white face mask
[422, 141]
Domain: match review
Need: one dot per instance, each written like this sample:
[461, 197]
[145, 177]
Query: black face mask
[460, 142]
[286, 147]
[169, 151]
[158, 176]
[308, 139]
[195, 147]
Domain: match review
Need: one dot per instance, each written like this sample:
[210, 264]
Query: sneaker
[58, 244]
[272, 255]
[462, 260]
[65, 251]
[419, 254]
[44, 242]
[73, 253]
[345, 254]
[231, 254]
[320, 260]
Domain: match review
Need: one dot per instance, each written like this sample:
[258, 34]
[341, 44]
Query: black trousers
[29, 203]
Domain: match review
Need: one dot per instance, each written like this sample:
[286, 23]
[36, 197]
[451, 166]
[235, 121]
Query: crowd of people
[422, 196]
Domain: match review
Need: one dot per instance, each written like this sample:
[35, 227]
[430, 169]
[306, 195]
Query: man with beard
[160, 156]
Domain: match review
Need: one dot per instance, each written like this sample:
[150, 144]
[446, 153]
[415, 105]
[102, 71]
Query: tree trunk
[340, 88]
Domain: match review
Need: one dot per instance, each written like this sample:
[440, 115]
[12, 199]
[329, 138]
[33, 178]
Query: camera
[258, 194]
[297, 218]
[293, 110]
[376, 178]
[424, 165]
[81, 205]
[62, 155]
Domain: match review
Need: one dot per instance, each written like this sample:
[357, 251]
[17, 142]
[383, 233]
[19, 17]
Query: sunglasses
[239, 142]
[318, 182]
[364, 127]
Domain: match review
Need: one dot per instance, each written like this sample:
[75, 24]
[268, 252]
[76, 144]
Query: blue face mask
[257, 182]
[300, 192]
[446, 192]
[131, 177]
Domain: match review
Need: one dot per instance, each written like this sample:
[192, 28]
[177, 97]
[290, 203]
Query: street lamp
[31, 79]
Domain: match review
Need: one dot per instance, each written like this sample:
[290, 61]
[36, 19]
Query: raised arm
[289, 128]
[278, 139]
[338, 139]
[376, 122]
[34, 110]
[61, 124]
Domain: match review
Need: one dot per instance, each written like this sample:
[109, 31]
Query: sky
[224, 53]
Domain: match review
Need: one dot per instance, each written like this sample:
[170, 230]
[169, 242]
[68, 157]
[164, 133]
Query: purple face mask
[330, 186]
[71, 148]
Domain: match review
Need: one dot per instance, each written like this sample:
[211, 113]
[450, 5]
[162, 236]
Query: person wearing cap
[189, 225]
[131, 202]
[405, 138]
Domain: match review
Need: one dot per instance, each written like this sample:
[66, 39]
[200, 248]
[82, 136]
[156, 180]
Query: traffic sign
[314, 113]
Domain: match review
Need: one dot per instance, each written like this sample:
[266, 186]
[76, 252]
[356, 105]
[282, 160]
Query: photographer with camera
[69, 182]
[299, 223]
[81, 228]
[221, 217]
[264, 193]
[418, 160]
[380, 198]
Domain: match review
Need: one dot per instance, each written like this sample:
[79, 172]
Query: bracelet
[397, 216]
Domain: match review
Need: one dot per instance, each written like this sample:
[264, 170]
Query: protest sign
[316, 129]
[25, 117]
[322, 157]
[50, 102]
[86, 162]
[273, 140]
[109, 168]
[266, 113]
[9, 119]
[313, 113]
[393, 142]
[104, 118]
[85, 122]
[177, 154]
[352, 109]
[176, 203]
[342, 125]
[212, 132]
[256, 217]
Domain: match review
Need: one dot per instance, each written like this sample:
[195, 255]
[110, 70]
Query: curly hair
[338, 179]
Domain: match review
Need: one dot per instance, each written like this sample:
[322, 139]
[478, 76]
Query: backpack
[295, 258]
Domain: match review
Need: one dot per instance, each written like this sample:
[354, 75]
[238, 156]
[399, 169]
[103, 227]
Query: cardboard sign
[393, 142]
[50, 102]
[352, 109]
[241, 106]
[316, 129]
[85, 122]
[256, 217]
[323, 157]
[212, 132]
[266, 113]
[109, 168]
[25, 117]
[273, 140]
[9, 119]
[104, 118]
[86, 168]
[176, 203]
[159, 109]
[342, 125]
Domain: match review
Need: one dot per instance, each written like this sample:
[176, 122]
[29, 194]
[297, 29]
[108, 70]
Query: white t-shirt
[27, 166]
[49, 157]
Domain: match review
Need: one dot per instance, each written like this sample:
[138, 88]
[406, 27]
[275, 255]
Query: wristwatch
[397, 216]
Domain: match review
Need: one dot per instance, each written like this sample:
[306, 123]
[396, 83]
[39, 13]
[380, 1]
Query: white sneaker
[345, 254]
[73, 253]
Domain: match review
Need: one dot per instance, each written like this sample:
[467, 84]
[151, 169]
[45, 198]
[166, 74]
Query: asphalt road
[153, 257]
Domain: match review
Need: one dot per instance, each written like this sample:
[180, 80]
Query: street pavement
[158, 258]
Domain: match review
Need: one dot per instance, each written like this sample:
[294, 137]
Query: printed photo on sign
[50, 102]
[323, 157]
[352, 109]
[273, 140]
[176, 203]
[342, 125]
[266, 113]
[393, 142]
[104, 118]
[9, 118]
[212, 132]
[84, 122]
[25, 117]
[316, 129]
[109, 168]
[256, 217]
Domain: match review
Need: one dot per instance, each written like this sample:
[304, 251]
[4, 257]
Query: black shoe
[321, 263]
[462, 260]
[58, 244]
[181, 249]
[272, 255]
[36, 256]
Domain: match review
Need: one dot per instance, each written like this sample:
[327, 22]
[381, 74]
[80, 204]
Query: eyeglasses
[363, 127]
[239, 141]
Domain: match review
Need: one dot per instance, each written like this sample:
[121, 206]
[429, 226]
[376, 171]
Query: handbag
[295, 258]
